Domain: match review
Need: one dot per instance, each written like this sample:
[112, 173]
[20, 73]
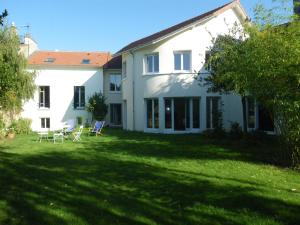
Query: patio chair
[69, 127]
[78, 134]
[97, 128]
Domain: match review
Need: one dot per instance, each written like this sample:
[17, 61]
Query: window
[124, 69]
[79, 97]
[152, 63]
[196, 113]
[168, 113]
[49, 60]
[45, 122]
[182, 61]
[250, 113]
[213, 112]
[115, 82]
[85, 61]
[44, 96]
[152, 109]
[207, 61]
[115, 114]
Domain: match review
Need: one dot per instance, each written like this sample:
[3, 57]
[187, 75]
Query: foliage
[265, 65]
[97, 106]
[16, 84]
[21, 126]
[3, 16]
[236, 131]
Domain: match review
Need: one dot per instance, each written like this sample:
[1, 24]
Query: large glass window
[44, 96]
[152, 63]
[115, 114]
[115, 82]
[196, 112]
[79, 97]
[168, 113]
[45, 122]
[213, 112]
[182, 61]
[152, 108]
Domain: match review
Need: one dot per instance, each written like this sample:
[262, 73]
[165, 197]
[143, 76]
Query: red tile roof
[172, 29]
[57, 58]
[114, 63]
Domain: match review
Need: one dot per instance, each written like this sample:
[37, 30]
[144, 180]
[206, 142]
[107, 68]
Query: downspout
[133, 89]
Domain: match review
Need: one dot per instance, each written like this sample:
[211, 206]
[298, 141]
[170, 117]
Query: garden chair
[97, 128]
[69, 127]
[78, 134]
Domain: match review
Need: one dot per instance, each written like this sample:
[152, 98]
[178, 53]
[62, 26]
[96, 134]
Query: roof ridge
[66, 51]
[173, 28]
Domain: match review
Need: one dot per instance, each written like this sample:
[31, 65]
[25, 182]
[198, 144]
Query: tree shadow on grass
[67, 188]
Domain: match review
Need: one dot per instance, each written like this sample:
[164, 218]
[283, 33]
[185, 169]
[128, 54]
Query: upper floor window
[79, 97]
[85, 61]
[44, 96]
[182, 61]
[124, 69]
[115, 82]
[207, 60]
[152, 63]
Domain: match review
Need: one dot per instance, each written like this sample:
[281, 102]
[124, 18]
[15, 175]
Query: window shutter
[82, 100]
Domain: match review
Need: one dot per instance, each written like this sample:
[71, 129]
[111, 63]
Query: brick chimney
[296, 7]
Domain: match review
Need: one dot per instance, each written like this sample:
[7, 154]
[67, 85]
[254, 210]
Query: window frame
[154, 114]
[211, 123]
[45, 123]
[181, 53]
[115, 75]
[111, 109]
[207, 64]
[152, 55]
[80, 105]
[42, 101]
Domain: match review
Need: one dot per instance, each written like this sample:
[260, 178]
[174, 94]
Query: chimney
[296, 7]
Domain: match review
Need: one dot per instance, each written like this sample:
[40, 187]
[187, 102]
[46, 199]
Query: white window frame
[153, 113]
[153, 66]
[115, 82]
[211, 125]
[45, 122]
[181, 60]
[79, 98]
[42, 104]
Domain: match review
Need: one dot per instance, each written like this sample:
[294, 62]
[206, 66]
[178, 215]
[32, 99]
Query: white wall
[167, 83]
[62, 82]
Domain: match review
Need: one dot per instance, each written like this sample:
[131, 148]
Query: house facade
[149, 85]
[160, 92]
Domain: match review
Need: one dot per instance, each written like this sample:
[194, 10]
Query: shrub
[236, 131]
[21, 126]
[97, 106]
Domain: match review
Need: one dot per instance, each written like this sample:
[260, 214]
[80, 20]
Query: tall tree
[16, 83]
[3, 16]
[265, 65]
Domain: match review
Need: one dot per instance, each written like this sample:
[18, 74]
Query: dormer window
[49, 60]
[85, 61]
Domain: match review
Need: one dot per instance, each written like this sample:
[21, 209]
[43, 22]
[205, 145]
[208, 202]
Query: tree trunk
[244, 114]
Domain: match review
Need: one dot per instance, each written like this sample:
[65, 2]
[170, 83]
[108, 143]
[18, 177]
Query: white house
[156, 91]
[64, 82]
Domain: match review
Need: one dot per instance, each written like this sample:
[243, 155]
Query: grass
[134, 178]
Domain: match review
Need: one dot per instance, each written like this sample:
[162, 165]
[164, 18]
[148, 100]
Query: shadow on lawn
[67, 188]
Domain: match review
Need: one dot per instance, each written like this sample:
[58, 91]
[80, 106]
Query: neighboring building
[64, 82]
[160, 93]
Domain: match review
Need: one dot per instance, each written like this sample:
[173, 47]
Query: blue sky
[103, 25]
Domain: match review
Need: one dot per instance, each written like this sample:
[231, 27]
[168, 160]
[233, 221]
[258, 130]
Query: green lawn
[135, 178]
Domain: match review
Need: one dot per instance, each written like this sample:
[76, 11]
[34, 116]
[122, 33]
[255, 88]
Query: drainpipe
[133, 89]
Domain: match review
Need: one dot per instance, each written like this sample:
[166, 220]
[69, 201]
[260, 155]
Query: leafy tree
[97, 106]
[3, 16]
[16, 83]
[265, 65]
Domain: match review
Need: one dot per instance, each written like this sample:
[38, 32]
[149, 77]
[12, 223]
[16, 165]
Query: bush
[97, 106]
[236, 131]
[216, 133]
[21, 126]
